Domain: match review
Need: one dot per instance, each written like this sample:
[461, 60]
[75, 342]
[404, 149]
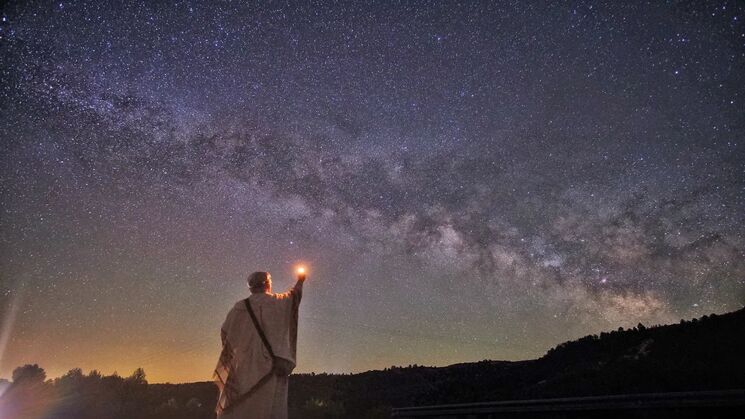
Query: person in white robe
[252, 383]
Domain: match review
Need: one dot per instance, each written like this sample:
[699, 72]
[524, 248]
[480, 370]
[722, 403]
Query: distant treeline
[702, 354]
[92, 395]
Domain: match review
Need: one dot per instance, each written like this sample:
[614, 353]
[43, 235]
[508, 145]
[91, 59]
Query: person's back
[252, 372]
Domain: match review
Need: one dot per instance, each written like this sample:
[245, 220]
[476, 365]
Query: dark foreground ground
[702, 354]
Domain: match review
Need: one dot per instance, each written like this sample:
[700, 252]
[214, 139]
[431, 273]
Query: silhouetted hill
[702, 354]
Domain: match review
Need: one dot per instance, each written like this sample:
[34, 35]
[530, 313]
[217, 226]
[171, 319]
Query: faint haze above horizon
[464, 180]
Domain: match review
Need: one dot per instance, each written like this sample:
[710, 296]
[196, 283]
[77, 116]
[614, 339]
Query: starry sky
[464, 180]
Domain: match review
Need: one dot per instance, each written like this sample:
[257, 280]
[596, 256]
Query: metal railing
[708, 400]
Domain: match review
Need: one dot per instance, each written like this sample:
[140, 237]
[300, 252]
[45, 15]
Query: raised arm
[296, 292]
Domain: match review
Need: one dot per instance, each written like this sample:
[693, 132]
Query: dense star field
[464, 181]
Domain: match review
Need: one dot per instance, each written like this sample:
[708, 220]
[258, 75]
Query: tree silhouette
[137, 377]
[29, 374]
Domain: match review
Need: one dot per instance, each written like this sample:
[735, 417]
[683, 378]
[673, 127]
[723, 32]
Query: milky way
[465, 181]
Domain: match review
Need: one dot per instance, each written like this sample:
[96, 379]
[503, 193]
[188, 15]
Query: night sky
[464, 181]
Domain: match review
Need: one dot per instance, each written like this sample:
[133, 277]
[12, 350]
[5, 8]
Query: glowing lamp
[301, 270]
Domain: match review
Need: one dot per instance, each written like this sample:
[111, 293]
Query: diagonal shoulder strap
[263, 379]
[258, 328]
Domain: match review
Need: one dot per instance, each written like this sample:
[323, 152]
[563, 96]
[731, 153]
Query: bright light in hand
[301, 270]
